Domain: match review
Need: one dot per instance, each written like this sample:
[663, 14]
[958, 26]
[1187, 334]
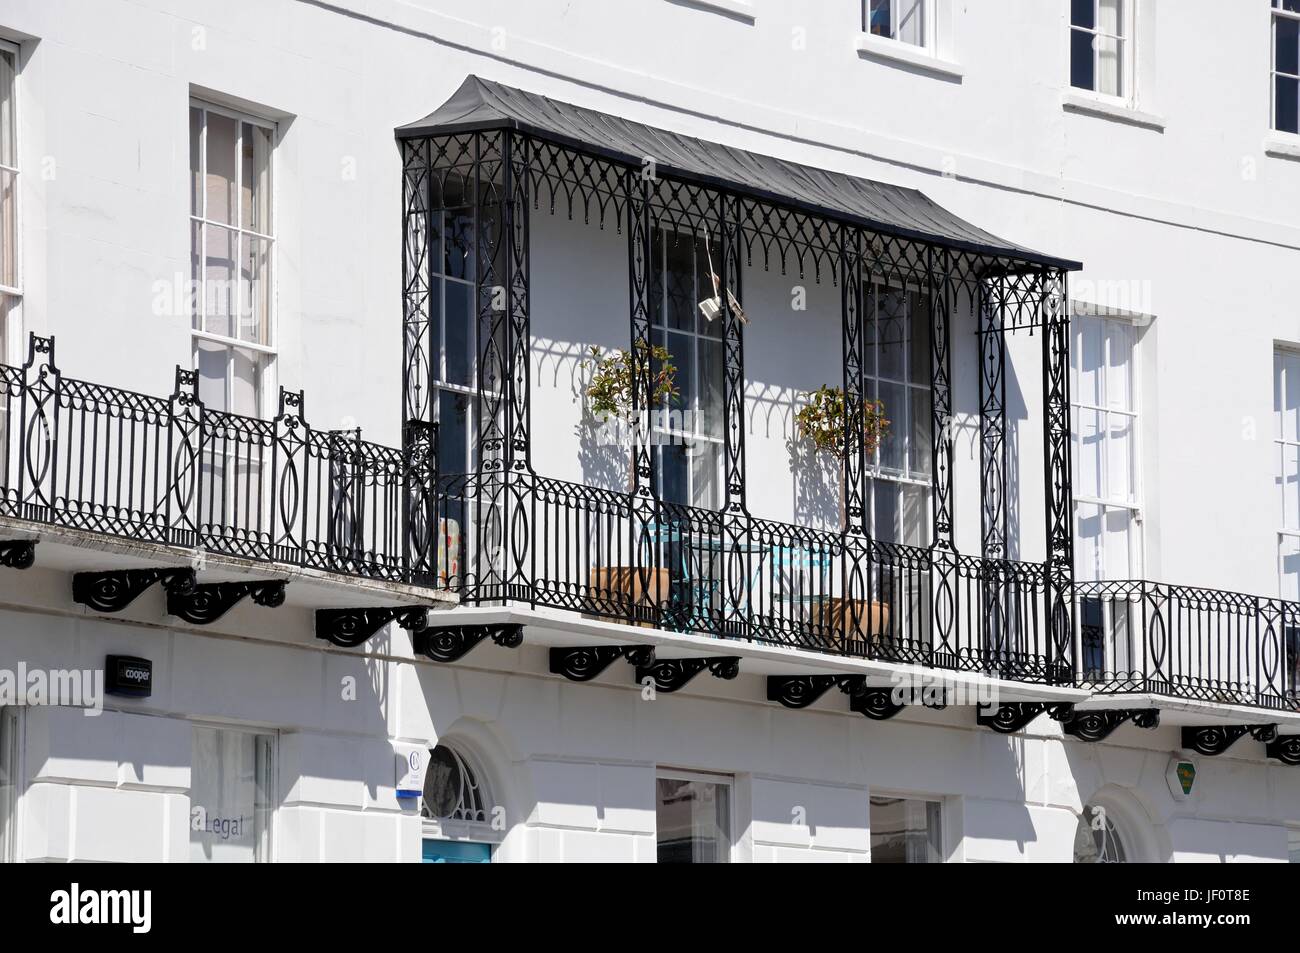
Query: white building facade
[316, 547]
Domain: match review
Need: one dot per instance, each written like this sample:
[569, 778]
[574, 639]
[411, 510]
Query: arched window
[452, 789]
[1096, 840]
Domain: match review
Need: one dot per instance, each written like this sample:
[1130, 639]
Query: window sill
[740, 9]
[896, 52]
[1282, 145]
[1080, 102]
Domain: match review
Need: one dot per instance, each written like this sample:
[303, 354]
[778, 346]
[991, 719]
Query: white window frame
[1278, 14]
[874, 288]
[1128, 54]
[1137, 546]
[929, 25]
[1280, 444]
[273, 821]
[727, 781]
[10, 840]
[267, 385]
[946, 812]
[663, 437]
[10, 317]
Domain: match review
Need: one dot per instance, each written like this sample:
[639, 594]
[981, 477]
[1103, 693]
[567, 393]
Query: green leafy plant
[822, 421]
[611, 385]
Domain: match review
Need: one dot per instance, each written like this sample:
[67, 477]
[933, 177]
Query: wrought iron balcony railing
[1202, 644]
[633, 559]
[168, 470]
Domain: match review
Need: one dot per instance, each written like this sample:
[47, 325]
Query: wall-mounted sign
[128, 675]
[1181, 777]
[411, 763]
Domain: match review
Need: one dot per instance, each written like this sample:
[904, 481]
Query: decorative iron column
[853, 332]
[490, 518]
[1059, 501]
[518, 477]
[991, 308]
[942, 553]
[643, 509]
[991, 304]
[736, 527]
[417, 362]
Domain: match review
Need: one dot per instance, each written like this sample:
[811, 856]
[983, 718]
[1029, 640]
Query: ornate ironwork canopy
[481, 105]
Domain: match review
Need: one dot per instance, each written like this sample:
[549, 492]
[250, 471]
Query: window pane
[453, 432]
[711, 420]
[1110, 66]
[1117, 558]
[879, 19]
[918, 356]
[916, 515]
[693, 822]
[911, 26]
[919, 451]
[460, 336]
[245, 382]
[1090, 456]
[1109, 17]
[1121, 464]
[8, 92]
[1119, 367]
[1089, 355]
[706, 467]
[8, 228]
[1289, 559]
[680, 278]
[680, 346]
[219, 288]
[196, 161]
[222, 153]
[885, 503]
[211, 361]
[255, 190]
[906, 831]
[1081, 60]
[255, 284]
[891, 335]
[458, 243]
[894, 397]
[1083, 13]
[1286, 115]
[1286, 45]
[1289, 486]
[231, 785]
[674, 473]
[1089, 529]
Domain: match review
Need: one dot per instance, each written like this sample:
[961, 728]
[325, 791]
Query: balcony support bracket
[350, 628]
[205, 604]
[879, 703]
[1215, 739]
[447, 643]
[584, 663]
[800, 691]
[668, 675]
[114, 590]
[1098, 725]
[1010, 717]
[1285, 748]
[17, 553]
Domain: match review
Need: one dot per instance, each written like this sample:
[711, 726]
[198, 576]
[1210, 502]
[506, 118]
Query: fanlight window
[452, 790]
[1096, 841]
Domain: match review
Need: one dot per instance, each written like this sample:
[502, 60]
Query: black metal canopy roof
[481, 104]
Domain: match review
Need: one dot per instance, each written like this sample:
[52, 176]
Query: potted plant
[609, 393]
[822, 421]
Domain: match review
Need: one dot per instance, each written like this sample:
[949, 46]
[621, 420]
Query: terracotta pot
[621, 587]
[872, 618]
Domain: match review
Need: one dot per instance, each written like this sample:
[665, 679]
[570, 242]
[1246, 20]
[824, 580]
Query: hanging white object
[712, 307]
